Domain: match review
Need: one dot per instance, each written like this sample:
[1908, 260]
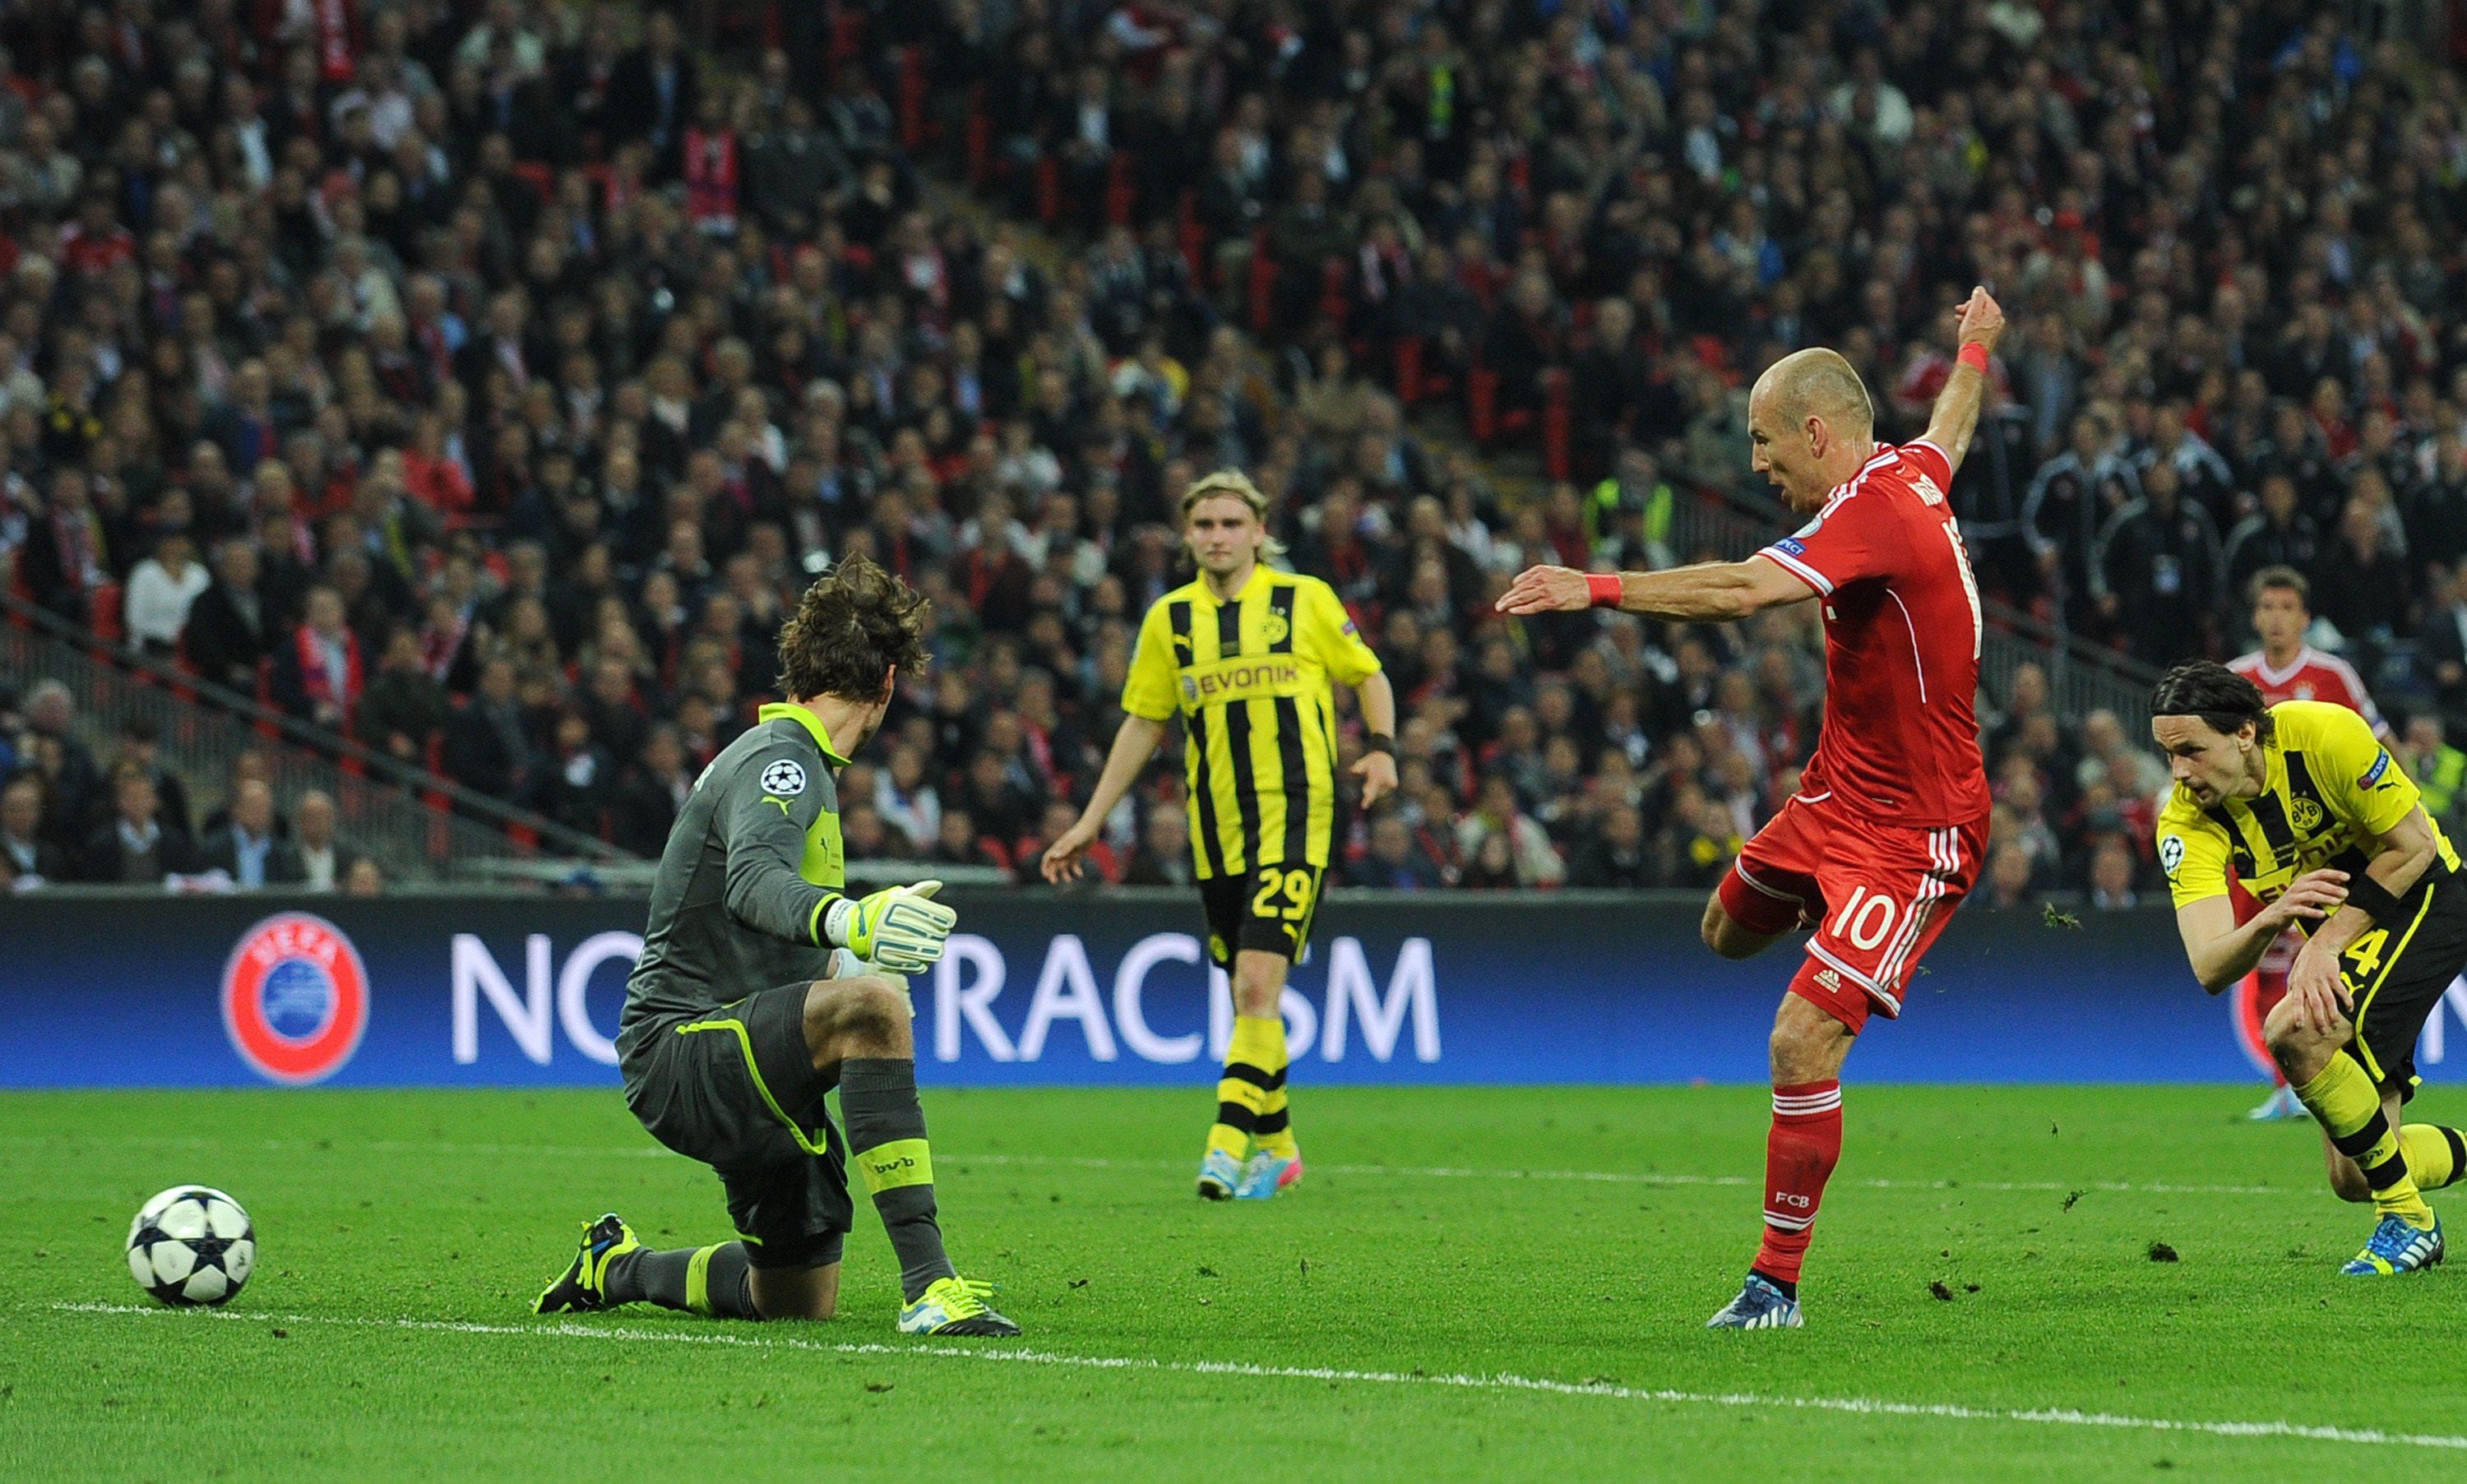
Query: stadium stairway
[419, 827]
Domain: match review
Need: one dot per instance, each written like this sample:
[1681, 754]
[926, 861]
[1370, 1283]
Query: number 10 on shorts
[1865, 920]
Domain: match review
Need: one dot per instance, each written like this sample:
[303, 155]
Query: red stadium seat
[1048, 190]
[1193, 236]
[912, 97]
[981, 138]
[848, 34]
[1262, 286]
[1335, 292]
[1481, 404]
[104, 607]
[1558, 421]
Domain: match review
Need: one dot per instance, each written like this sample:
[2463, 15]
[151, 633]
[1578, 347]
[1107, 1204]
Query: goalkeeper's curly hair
[853, 626]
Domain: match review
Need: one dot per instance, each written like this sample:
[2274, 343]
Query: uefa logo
[295, 998]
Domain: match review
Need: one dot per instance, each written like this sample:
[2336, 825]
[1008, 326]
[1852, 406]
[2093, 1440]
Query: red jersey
[2314, 676]
[1900, 740]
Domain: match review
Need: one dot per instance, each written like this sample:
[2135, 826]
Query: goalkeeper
[748, 899]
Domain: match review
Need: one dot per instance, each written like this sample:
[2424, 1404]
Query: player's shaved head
[1817, 383]
[1811, 426]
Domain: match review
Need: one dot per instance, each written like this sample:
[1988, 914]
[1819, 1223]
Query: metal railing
[2081, 677]
[416, 826]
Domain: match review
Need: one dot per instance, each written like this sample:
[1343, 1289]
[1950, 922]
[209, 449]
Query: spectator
[75, 787]
[161, 591]
[2105, 750]
[1530, 859]
[140, 746]
[403, 707]
[1163, 856]
[488, 748]
[2111, 878]
[134, 848]
[325, 863]
[225, 635]
[1617, 856]
[906, 800]
[961, 845]
[316, 674]
[2439, 771]
[578, 783]
[648, 798]
[364, 879]
[2445, 645]
[2155, 572]
[2009, 878]
[32, 860]
[247, 849]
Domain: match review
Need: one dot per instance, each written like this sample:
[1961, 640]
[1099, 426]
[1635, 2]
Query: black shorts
[2396, 974]
[1268, 909]
[735, 1089]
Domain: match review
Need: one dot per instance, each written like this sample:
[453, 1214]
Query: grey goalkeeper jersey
[752, 865]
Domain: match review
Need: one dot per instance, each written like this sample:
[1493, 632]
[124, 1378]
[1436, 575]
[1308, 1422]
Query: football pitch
[2007, 1282]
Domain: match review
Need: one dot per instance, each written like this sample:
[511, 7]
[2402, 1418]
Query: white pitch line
[1096, 1163]
[1866, 1406]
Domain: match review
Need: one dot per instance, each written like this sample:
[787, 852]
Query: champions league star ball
[191, 1245]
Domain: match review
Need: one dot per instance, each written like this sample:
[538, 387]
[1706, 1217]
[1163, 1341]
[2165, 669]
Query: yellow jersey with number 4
[2331, 788]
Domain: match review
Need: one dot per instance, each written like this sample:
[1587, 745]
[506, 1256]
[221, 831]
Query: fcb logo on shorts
[295, 998]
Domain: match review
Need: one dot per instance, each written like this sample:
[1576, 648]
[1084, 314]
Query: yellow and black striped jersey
[2331, 788]
[1253, 681]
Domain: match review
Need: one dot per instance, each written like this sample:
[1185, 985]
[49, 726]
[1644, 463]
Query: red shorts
[1877, 895]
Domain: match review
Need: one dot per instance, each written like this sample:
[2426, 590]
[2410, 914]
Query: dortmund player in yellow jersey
[1249, 657]
[2318, 822]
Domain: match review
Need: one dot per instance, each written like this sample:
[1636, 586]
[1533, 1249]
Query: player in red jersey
[2286, 668]
[1885, 834]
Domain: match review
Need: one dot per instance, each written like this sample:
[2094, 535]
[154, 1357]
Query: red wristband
[1602, 589]
[1975, 356]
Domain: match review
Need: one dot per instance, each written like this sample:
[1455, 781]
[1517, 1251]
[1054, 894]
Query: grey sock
[667, 1279]
[886, 1131]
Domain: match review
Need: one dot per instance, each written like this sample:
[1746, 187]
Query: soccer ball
[191, 1245]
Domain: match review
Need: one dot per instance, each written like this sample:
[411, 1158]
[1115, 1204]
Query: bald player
[1886, 833]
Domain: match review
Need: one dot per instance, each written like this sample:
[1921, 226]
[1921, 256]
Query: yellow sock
[1276, 1133]
[2347, 1104]
[1242, 1092]
[2435, 1153]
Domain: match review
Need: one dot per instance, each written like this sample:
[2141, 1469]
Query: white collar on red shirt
[2306, 655]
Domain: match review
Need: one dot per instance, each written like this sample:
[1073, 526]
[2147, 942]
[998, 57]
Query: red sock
[1800, 1155]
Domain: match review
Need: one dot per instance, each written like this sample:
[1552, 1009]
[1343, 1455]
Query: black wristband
[1380, 742]
[2363, 891]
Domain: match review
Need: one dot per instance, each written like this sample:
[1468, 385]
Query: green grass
[1414, 1249]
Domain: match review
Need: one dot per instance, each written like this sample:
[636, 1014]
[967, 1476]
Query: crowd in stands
[483, 378]
[125, 818]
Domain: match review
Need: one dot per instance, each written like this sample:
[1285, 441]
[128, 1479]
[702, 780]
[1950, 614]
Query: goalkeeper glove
[899, 929]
